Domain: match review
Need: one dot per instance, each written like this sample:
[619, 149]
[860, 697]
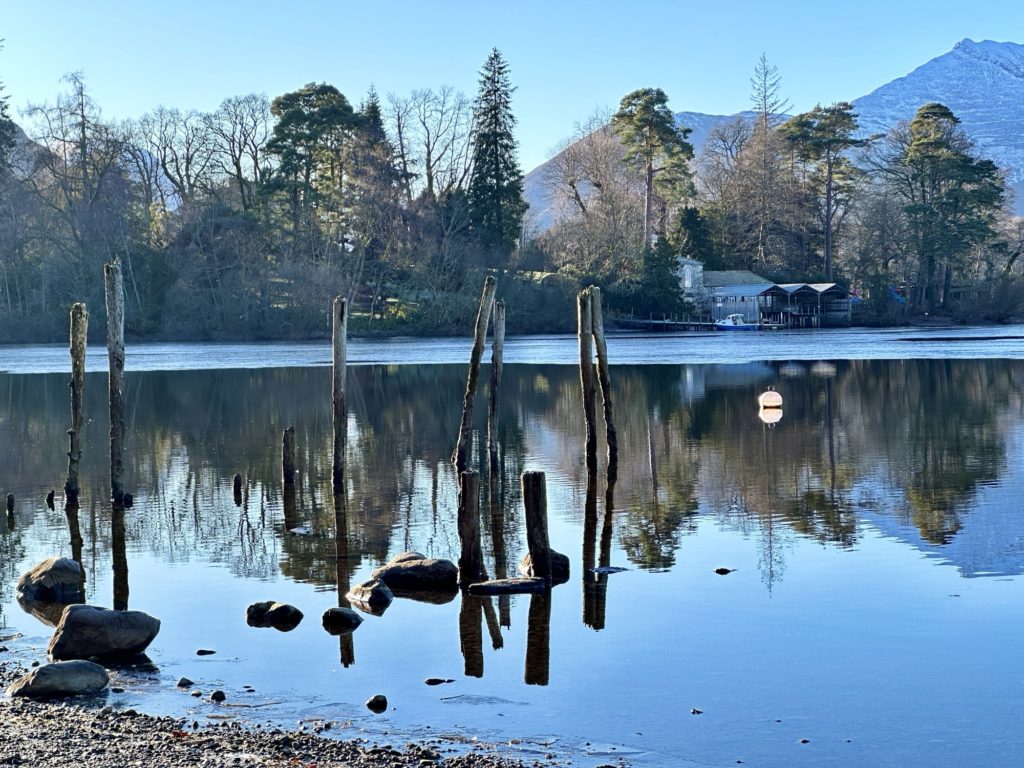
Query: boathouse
[720, 293]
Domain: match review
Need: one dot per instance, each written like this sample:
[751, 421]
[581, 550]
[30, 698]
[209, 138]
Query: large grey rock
[559, 567]
[371, 596]
[411, 571]
[64, 678]
[280, 616]
[87, 631]
[339, 621]
[55, 580]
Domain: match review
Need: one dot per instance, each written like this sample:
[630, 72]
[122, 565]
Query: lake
[875, 536]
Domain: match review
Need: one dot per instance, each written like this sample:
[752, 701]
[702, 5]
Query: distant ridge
[982, 82]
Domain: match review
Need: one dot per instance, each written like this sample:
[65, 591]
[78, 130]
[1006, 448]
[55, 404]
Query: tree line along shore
[243, 223]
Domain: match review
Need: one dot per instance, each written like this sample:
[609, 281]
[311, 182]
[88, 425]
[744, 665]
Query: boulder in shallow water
[410, 571]
[87, 631]
[63, 678]
[280, 616]
[559, 567]
[54, 580]
[338, 621]
[371, 596]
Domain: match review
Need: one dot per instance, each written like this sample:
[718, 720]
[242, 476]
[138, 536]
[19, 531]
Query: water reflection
[910, 442]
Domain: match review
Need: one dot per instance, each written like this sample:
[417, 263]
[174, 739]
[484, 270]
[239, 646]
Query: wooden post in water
[461, 453]
[535, 500]
[236, 488]
[288, 456]
[497, 361]
[585, 332]
[114, 297]
[471, 560]
[339, 326]
[78, 333]
[604, 378]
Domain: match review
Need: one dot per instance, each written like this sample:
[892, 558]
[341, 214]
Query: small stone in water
[117, 690]
[197, 694]
[805, 741]
[205, 652]
[724, 571]
[217, 696]
[438, 680]
[377, 703]
[185, 683]
[695, 711]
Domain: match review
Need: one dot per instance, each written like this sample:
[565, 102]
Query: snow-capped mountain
[983, 83]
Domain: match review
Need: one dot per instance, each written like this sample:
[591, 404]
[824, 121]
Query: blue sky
[567, 58]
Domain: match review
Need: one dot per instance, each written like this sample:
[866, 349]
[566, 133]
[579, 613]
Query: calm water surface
[876, 535]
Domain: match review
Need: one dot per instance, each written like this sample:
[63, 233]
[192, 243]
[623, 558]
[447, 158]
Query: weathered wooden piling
[288, 456]
[604, 379]
[535, 500]
[471, 559]
[78, 333]
[461, 453]
[114, 298]
[585, 333]
[339, 333]
[236, 488]
[497, 361]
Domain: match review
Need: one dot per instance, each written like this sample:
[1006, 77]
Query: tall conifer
[496, 205]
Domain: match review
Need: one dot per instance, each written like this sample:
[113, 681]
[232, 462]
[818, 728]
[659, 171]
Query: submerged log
[78, 335]
[461, 453]
[114, 297]
[515, 586]
[339, 325]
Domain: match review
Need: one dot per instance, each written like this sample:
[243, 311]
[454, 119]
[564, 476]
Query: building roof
[716, 279]
[759, 289]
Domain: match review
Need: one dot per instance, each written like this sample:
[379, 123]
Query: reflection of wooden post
[535, 500]
[291, 517]
[79, 333]
[538, 640]
[288, 456]
[461, 453]
[339, 328]
[346, 645]
[471, 636]
[497, 360]
[500, 549]
[120, 558]
[493, 628]
[236, 487]
[589, 549]
[75, 530]
[471, 561]
[604, 378]
[114, 296]
[584, 325]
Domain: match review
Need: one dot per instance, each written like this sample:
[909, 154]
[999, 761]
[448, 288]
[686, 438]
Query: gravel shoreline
[63, 733]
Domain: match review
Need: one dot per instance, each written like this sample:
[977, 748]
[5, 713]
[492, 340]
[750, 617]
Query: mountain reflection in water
[922, 453]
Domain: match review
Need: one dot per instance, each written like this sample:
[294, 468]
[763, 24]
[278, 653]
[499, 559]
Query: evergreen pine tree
[496, 204]
[7, 128]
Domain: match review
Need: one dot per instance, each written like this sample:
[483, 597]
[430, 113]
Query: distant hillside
[983, 83]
